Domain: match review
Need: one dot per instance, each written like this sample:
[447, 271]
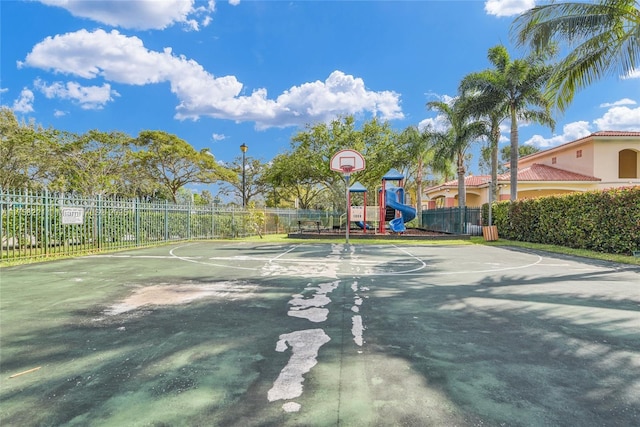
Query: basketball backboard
[347, 161]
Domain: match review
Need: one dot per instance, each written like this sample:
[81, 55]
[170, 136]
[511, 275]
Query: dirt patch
[158, 295]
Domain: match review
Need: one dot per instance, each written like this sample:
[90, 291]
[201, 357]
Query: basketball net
[346, 170]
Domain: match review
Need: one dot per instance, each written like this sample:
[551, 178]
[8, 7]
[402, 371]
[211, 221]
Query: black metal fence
[39, 225]
[454, 220]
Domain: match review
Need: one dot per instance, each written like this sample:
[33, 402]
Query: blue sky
[219, 74]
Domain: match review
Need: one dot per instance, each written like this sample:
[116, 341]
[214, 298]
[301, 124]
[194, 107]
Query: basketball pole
[346, 179]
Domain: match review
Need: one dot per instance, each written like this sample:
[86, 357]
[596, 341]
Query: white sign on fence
[357, 213]
[72, 216]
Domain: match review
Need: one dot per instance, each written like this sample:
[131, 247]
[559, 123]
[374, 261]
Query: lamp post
[244, 148]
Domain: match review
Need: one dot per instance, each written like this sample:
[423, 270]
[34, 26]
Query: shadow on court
[240, 334]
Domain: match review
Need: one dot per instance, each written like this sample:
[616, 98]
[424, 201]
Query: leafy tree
[304, 171]
[454, 142]
[512, 90]
[27, 153]
[603, 38]
[174, 163]
[523, 150]
[204, 198]
[416, 146]
[94, 163]
[255, 186]
[505, 156]
[295, 177]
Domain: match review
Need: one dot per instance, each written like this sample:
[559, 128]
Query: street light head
[244, 147]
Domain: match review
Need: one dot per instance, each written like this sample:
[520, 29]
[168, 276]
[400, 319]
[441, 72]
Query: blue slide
[392, 197]
[362, 225]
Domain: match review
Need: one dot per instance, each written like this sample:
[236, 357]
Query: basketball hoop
[346, 169]
[347, 161]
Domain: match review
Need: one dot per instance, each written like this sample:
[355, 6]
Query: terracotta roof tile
[535, 172]
[469, 181]
[538, 172]
[616, 133]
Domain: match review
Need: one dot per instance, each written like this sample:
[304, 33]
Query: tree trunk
[419, 192]
[493, 188]
[462, 192]
[513, 166]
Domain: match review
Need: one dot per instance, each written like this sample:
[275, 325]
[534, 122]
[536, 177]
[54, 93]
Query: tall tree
[174, 163]
[307, 164]
[294, 176]
[254, 184]
[27, 153]
[603, 38]
[454, 142]
[512, 90]
[95, 163]
[416, 147]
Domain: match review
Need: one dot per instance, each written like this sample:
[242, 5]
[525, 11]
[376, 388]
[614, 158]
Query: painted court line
[139, 256]
[355, 260]
[283, 253]
[187, 259]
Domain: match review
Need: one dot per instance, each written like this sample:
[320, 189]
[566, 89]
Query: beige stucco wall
[566, 158]
[607, 153]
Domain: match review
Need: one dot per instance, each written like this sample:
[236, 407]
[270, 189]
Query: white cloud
[89, 97]
[620, 118]
[623, 101]
[570, 132]
[218, 137]
[121, 59]
[59, 113]
[439, 123]
[138, 14]
[24, 104]
[634, 74]
[507, 7]
[234, 2]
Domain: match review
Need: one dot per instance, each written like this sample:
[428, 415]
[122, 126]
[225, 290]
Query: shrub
[603, 221]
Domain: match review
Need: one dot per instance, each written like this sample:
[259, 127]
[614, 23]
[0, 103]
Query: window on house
[579, 153]
[554, 160]
[628, 164]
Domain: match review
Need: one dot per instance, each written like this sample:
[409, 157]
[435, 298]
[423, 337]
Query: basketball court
[256, 334]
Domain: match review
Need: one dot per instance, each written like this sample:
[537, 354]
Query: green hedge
[604, 221]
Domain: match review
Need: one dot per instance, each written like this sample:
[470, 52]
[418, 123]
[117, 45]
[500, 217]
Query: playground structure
[392, 204]
[391, 207]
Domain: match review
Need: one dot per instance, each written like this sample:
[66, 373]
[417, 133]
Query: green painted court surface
[250, 334]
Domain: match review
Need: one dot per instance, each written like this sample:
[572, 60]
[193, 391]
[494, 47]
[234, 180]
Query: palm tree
[454, 142]
[513, 90]
[604, 35]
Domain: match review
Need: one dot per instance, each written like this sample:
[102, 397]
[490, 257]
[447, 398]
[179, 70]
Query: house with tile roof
[602, 160]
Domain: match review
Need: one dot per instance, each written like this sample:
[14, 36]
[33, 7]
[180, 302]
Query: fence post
[213, 222]
[189, 207]
[137, 219]
[99, 221]
[47, 222]
[2, 223]
[166, 221]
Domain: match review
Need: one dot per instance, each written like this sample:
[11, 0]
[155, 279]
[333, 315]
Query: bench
[302, 223]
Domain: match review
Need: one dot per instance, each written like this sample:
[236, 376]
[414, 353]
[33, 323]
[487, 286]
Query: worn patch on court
[159, 295]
